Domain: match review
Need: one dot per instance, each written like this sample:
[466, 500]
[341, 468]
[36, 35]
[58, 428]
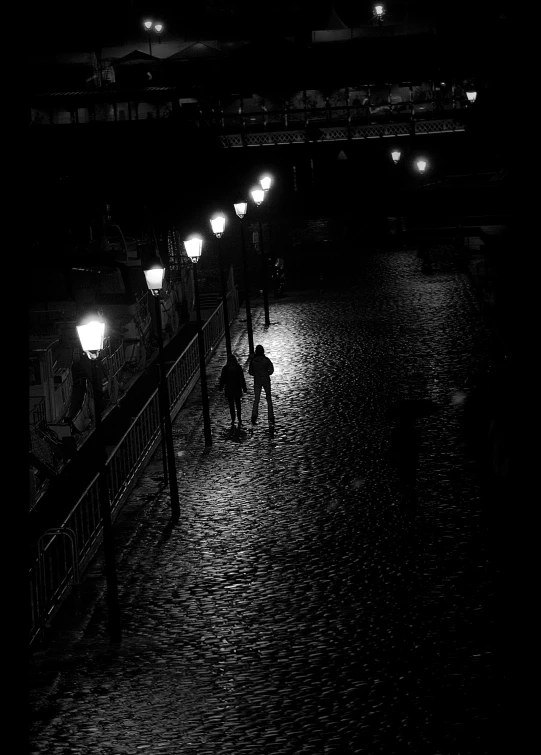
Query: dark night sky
[72, 26]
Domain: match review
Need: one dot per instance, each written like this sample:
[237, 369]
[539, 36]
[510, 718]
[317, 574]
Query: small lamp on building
[396, 154]
[471, 94]
[265, 182]
[421, 165]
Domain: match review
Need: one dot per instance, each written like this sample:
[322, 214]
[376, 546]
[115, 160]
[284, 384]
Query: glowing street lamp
[379, 11]
[154, 278]
[218, 224]
[193, 248]
[240, 209]
[258, 195]
[421, 166]
[91, 335]
[471, 95]
[265, 182]
[395, 154]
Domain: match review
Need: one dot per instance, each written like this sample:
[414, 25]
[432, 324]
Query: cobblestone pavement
[296, 607]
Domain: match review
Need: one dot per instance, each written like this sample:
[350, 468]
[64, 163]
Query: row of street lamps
[91, 335]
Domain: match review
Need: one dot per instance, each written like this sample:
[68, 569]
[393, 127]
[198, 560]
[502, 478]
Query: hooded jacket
[261, 368]
[233, 381]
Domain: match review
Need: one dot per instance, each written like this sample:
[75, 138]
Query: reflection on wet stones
[299, 606]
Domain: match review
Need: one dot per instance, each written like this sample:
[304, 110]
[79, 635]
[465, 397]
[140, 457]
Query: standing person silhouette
[261, 368]
[232, 379]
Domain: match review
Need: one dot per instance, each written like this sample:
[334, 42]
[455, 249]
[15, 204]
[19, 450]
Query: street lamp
[471, 95]
[158, 28]
[218, 225]
[258, 195]
[91, 335]
[193, 248]
[240, 209]
[421, 166]
[154, 279]
[396, 155]
[266, 182]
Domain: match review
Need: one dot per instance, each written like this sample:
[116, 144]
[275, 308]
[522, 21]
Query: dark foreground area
[299, 605]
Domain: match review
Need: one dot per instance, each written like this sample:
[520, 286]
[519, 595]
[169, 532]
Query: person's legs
[257, 396]
[270, 408]
[231, 403]
[237, 404]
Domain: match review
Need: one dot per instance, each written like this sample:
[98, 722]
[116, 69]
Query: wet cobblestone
[296, 607]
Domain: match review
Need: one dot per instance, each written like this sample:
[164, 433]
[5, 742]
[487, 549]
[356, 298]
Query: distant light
[395, 154]
[472, 96]
[91, 336]
[218, 225]
[193, 248]
[148, 25]
[265, 183]
[379, 10]
[421, 165]
[158, 27]
[258, 195]
[154, 278]
[240, 209]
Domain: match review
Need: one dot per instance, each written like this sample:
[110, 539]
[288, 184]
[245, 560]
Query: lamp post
[218, 225]
[265, 182]
[193, 250]
[240, 209]
[158, 28]
[395, 156]
[91, 337]
[154, 278]
[471, 95]
[258, 195]
[379, 12]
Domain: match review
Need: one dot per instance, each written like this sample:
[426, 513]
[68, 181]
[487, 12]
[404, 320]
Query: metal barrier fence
[56, 568]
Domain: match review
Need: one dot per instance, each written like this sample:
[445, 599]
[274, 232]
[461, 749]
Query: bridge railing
[51, 576]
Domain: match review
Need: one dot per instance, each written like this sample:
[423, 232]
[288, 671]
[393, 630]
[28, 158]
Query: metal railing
[50, 575]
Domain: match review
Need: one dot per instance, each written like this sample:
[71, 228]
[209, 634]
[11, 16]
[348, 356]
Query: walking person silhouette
[261, 368]
[232, 379]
